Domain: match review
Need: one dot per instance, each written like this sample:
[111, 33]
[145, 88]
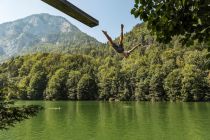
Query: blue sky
[110, 13]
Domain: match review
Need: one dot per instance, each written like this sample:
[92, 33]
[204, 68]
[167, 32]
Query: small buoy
[55, 108]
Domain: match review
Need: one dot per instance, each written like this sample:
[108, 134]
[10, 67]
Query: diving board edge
[73, 11]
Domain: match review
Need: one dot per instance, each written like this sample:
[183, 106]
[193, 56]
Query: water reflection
[114, 120]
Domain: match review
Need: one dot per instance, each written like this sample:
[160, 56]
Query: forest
[155, 72]
[172, 63]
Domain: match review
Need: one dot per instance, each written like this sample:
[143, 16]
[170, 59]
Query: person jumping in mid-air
[119, 47]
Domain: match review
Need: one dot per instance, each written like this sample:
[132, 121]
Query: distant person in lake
[119, 47]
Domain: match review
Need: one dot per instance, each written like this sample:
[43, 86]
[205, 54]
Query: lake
[96, 120]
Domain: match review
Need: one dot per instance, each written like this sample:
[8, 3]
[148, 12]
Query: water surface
[114, 121]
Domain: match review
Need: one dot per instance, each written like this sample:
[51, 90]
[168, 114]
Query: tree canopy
[10, 114]
[154, 74]
[168, 18]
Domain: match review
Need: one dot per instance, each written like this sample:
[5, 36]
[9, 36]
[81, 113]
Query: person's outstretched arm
[131, 50]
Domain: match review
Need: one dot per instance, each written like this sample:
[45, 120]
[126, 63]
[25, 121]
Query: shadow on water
[114, 120]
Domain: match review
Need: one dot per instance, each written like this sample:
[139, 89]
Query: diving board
[73, 11]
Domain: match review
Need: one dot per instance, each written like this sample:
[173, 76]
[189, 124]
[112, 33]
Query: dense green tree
[109, 82]
[56, 88]
[156, 90]
[153, 55]
[87, 88]
[127, 79]
[23, 86]
[172, 85]
[25, 68]
[12, 89]
[108, 76]
[196, 58]
[3, 85]
[207, 96]
[194, 84]
[175, 17]
[10, 114]
[142, 90]
[14, 65]
[71, 84]
[105, 89]
[142, 85]
[37, 86]
[170, 59]
[38, 81]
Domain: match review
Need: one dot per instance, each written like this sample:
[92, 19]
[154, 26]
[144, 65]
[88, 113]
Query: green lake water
[114, 121]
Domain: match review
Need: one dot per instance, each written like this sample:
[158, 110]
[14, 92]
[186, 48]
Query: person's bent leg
[121, 36]
[108, 37]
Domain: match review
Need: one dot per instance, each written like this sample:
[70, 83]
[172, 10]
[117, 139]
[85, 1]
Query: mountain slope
[40, 30]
